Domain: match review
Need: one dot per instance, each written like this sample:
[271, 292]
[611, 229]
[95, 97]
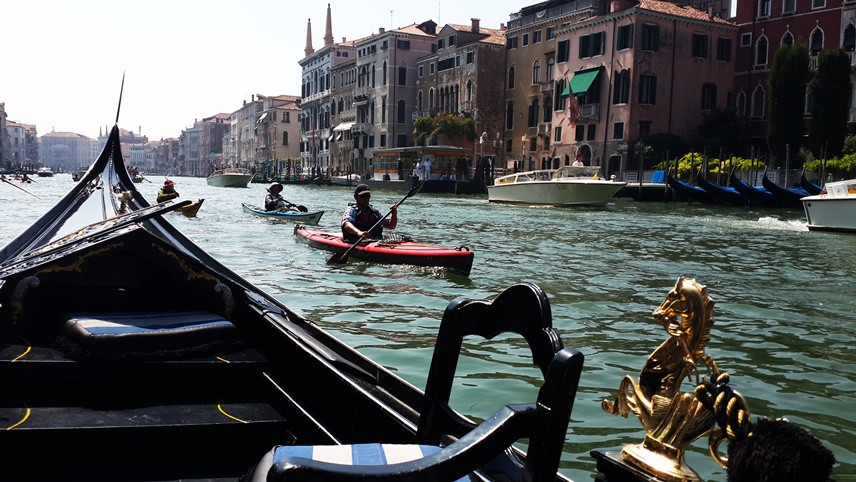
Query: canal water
[785, 317]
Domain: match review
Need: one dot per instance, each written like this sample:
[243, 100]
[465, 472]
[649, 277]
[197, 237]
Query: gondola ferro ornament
[672, 418]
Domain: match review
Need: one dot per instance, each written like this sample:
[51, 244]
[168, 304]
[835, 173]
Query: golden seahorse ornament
[672, 418]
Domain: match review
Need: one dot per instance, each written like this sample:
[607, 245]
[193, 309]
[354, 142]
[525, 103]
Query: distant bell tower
[328, 33]
[308, 50]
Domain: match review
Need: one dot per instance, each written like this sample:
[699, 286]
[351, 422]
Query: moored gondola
[727, 195]
[789, 197]
[812, 188]
[129, 353]
[691, 193]
[757, 196]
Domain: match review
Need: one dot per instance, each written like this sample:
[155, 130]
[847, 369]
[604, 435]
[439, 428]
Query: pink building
[644, 68]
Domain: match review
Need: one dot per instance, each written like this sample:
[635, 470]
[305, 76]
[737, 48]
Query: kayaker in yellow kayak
[167, 192]
[361, 216]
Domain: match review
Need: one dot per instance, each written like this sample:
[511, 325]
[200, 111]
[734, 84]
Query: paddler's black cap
[362, 189]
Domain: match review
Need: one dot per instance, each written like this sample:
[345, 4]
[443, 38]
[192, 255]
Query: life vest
[363, 220]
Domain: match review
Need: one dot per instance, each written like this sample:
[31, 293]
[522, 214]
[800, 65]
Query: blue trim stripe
[368, 454]
[283, 451]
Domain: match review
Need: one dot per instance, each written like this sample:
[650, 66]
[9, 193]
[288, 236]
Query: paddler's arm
[347, 226]
[393, 220]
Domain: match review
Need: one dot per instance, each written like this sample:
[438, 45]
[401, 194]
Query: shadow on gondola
[690, 192]
[812, 188]
[789, 197]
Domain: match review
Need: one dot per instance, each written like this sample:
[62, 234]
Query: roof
[412, 29]
[668, 9]
[287, 98]
[65, 134]
[492, 35]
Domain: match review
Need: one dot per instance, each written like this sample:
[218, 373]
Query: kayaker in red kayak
[361, 216]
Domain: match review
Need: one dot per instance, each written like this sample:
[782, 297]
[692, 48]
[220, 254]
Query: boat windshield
[567, 172]
[576, 171]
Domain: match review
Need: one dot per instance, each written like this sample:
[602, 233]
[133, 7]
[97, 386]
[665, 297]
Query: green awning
[567, 91]
[583, 79]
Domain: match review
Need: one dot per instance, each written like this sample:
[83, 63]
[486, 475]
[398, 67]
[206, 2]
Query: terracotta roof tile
[412, 30]
[680, 11]
[493, 35]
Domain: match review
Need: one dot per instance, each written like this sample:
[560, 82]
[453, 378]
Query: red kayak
[392, 251]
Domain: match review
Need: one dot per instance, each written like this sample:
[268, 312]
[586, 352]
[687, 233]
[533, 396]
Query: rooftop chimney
[619, 5]
[502, 26]
[475, 22]
[308, 50]
[344, 39]
[328, 33]
[381, 30]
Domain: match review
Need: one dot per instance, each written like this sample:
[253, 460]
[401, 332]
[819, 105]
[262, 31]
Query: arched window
[401, 106]
[815, 44]
[285, 138]
[509, 115]
[419, 101]
[761, 50]
[431, 98]
[741, 103]
[536, 72]
[550, 63]
[759, 96]
[511, 77]
[849, 43]
[469, 91]
[787, 39]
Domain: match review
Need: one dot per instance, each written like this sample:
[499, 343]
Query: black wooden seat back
[525, 310]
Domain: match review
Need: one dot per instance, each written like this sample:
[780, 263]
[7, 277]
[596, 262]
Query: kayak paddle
[299, 207]
[19, 187]
[342, 258]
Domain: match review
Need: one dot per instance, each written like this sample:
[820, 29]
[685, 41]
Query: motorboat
[230, 177]
[348, 180]
[833, 210]
[129, 353]
[44, 172]
[566, 186]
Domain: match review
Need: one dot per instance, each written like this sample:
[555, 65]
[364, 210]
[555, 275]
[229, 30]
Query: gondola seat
[147, 334]
[466, 448]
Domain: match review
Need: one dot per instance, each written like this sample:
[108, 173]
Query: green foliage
[786, 87]
[849, 144]
[689, 165]
[830, 89]
[720, 129]
[843, 167]
[428, 128]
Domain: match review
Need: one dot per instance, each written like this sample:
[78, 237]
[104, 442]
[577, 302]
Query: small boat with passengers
[44, 172]
[230, 177]
[392, 249]
[834, 209]
[298, 216]
[129, 353]
[566, 186]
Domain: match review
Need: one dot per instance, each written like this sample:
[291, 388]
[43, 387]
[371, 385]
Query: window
[761, 52]
[536, 72]
[647, 89]
[401, 106]
[431, 69]
[402, 76]
[849, 43]
[644, 128]
[533, 113]
[401, 140]
[809, 104]
[562, 51]
[384, 73]
[419, 101]
[511, 77]
[758, 98]
[509, 116]
[525, 39]
[746, 39]
[763, 8]
[591, 132]
[431, 98]
[700, 46]
[536, 37]
[789, 6]
[287, 117]
[508, 146]
[452, 40]
[708, 96]
[723, 49]
[383, 140]
[557, 134]
[549, 33]
[815, 41]
[788, 39]
[550, 64]
[621, 91]
[441, 44]
[471, 57]
[458, 61]
[548, 112]
[625, 37]
[591, 45]
[618, 131]
[446, 64]
[580, 133]
[421, 70]
[533, 143]
[383, 109]
[285, 138]
[559, 103]
[511, 43]
[818, 4]
[651, 38]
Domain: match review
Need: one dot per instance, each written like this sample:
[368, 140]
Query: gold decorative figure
[672, 418]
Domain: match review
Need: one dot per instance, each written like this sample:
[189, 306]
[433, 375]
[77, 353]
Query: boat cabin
[398, 163]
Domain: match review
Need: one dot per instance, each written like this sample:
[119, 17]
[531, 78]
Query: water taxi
[834, 210]
[230, 177]
[566, 186]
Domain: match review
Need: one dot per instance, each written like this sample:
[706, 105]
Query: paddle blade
[302, 208]
[338, 258]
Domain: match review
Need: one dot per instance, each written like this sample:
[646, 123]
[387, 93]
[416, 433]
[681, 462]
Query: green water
[784, 316]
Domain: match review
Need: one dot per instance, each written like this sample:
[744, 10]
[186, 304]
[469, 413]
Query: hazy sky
[61, 61]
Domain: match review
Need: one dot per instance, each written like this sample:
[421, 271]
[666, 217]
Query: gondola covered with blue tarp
[690, 192]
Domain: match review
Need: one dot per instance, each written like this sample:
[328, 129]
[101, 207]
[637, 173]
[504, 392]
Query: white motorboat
[44, 172]
[230, 177]
[349, 180]
[834, 210]
[566, 186]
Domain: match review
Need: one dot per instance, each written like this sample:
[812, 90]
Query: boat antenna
[121, 90]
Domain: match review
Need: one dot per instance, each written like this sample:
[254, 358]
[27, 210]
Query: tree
[787, 85]
[720, 129]
[830, 90]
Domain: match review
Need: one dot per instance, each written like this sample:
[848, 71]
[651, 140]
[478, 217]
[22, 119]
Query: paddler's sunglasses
[365, 194]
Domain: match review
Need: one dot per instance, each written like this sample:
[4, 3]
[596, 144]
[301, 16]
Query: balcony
[546, 86]
[544, 128]
[465, 106]
[361, 92]
[590, 112]
[361, 127]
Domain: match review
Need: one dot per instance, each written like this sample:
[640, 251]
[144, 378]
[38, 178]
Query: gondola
[757, 196]
[812, 188]
[723, 194]
[129, 353]
[691, 193]
[789, 197]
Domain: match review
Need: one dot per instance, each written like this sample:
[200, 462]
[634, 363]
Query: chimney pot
[475, 24]
[381, 30]
[344, 39]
